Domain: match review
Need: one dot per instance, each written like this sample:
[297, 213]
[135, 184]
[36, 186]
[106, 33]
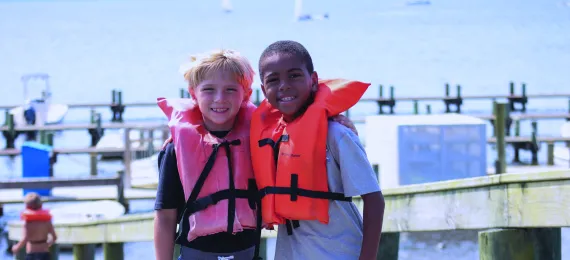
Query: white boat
[144, 172]
[38, 111]
[87, 211]
[562, 153]
[116, 139]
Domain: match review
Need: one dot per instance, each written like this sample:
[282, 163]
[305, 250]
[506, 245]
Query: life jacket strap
[192, 206]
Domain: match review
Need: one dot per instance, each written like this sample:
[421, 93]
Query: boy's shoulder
[336, 131]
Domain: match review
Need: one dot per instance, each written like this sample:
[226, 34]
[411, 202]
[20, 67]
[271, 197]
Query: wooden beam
[512, 200]
[48, 182]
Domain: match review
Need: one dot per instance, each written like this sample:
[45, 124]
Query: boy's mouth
[286, 99]
[219, 110]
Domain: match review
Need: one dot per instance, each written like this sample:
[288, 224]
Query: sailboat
[299, 16]
[227, 6]
[38, 111]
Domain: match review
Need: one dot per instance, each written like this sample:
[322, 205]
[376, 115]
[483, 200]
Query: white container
[413, 149]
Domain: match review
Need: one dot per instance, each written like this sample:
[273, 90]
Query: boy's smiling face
[219, 97]
[286, 83]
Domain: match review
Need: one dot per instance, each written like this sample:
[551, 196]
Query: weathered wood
[85, 126]
[86, 150]
[85, 193]
[520, 244]
[51, 182]
[500, 113]
[505, 200]
[83, 252]
[113, 251]
[389, 246]
[521, 139]
[438, 98]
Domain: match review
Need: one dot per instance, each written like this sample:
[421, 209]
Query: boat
[116, 139]
[227, 6]
[38, 111]
[298, 14]
[144, 173]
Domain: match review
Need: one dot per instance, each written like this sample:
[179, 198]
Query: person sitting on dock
[37, 230]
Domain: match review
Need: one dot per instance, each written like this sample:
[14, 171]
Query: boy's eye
[232, 89]
[207, 89]
[295, 75]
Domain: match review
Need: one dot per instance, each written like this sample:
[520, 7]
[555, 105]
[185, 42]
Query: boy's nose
[283, 86]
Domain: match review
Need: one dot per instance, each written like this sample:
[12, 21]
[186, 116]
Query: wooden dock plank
[65, 194]
[465, 97]
[86, 150]
[46, 183]
[85, 126]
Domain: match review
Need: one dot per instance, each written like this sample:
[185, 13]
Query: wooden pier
[502, 205]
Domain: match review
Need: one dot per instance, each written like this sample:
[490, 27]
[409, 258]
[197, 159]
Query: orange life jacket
[30, 215]
[289, 159]
[216, 174]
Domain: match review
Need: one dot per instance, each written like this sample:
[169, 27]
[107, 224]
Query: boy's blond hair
[33, 201]
[201, 65]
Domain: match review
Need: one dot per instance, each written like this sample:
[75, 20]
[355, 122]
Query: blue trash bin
[36, 163]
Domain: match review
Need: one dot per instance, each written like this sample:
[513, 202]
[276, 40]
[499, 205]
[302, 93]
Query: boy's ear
[314, 81]
[192, 93]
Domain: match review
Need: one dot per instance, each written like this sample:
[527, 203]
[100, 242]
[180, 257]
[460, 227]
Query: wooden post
[500, 163]
[520, 244]
[121, 191]
[416, 110]
[176, 252]
[83, 252]
[263, 248]
[49, 138]
[428, 109]
[54, 252]
[550, 153]
[257, 97]
[113, 251]
[127, 156]
[21, 255]
[534, 143]
[93, 163]
[389, 245]
[380, 95]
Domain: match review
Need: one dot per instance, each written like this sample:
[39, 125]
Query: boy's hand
[343, 120]
[168, 140]
[15, 249]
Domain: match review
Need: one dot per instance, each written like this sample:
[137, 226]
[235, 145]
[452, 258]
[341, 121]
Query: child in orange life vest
[37, 228]
[194, 183]
[308, 168]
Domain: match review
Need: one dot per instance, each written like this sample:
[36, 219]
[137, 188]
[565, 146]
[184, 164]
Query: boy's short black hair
[290, 47]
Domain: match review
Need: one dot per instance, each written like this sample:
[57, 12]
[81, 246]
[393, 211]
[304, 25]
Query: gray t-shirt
[348, 172]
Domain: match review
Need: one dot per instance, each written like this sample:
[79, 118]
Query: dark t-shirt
[170, 195]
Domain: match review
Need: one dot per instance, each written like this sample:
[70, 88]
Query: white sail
[227, 5]
[298, 8]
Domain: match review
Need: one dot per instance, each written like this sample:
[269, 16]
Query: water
[92, 47]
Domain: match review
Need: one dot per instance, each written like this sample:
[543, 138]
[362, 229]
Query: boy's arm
[22, 241]
[359, 179]
[169, 198]
[164, 228]
[53, 235]
[372, 219]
